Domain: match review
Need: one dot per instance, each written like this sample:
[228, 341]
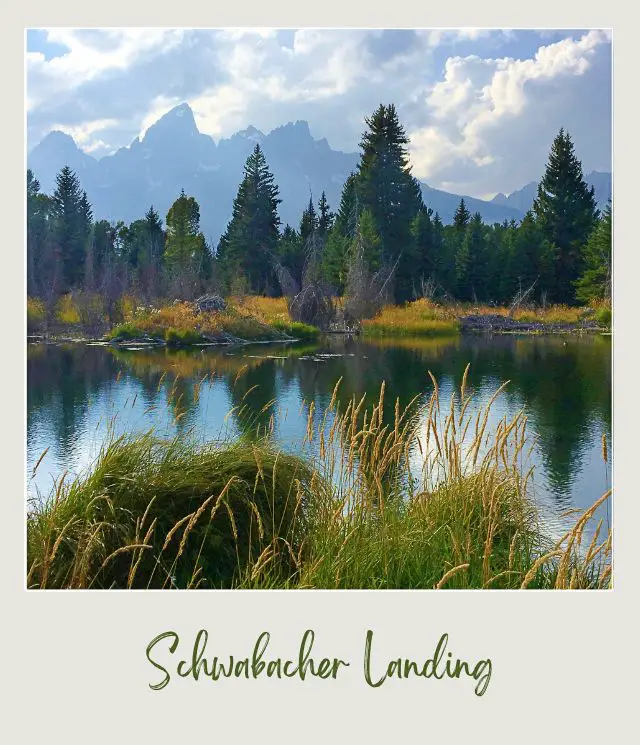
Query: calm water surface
[76, 393]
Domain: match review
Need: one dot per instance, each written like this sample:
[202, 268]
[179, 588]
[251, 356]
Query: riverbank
[244, 320]
[174, 513]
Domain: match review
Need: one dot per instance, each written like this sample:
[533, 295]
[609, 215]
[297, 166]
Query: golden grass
[265, 309]
[182, 317]
[420, 318]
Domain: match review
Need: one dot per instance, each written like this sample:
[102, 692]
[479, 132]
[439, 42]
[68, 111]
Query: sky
[480, 106]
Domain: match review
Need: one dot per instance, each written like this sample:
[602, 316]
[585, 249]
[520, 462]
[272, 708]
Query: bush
[36, 314]
[298, 330]
[603, 317]
[66, 311]
[180, 337]
[90, 308]
[126, 332]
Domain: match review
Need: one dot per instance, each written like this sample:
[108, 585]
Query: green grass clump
[183, 337]
[126, 332]
[167, 515]
[603, 317]
[303, 331]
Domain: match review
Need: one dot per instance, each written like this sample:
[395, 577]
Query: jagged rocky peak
[251, 133]
[179, 122]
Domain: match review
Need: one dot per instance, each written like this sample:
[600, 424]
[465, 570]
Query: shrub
[603, 317]
[66, 311]
[297, 329]
[36, 314]
[90, 308]
[180, 337]
[126, 332]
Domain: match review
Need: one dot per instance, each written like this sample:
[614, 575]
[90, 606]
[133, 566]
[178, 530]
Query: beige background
[564, 665]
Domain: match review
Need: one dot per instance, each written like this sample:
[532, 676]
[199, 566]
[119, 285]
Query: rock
[209, 303]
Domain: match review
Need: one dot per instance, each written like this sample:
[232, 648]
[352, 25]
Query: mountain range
[175, 155]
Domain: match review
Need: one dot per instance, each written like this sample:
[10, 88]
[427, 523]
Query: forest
[380, 245]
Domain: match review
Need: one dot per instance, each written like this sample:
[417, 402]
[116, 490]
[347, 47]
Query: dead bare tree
[313, 301]
[520, 297]
[366, 292]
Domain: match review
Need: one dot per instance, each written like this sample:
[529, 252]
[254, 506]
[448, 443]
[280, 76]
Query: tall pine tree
[71, 215]
[565, 208]
[389, 191]
[250, 241]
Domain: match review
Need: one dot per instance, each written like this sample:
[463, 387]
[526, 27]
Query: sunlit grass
[420, 318]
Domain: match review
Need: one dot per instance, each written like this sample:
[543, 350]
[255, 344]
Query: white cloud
[479, 98]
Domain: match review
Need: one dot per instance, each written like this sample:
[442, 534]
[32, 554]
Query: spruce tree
[595, 282]
[291, 253]
[71, 215]
[387, 188]
[471, 262]
[309, 222]
[250, 241]
[461, 217]
[369, 242]
[341, 235]
[565, 208]
[422, 236]
[325, 218]
[37, 229]
[529, 249]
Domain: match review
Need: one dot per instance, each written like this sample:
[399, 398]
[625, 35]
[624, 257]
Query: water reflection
[75, 392]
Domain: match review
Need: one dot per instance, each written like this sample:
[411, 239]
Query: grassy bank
[263, 319]
[356, 515]
[176, 324]
[420, 318]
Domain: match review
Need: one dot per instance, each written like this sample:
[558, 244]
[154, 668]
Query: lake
[78, 393]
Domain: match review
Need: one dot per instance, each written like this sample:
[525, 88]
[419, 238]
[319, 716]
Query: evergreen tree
[461, 217]
[251, 239]
[151, 270]
[387, 188]
[291, 253]
[325, 218]
[37, 228]
[71, 215]
[185, 246]
[422, 235]
[565, 208]
[595, 282]
[529, 250]
[443, 264]
[471, 262]
[341, 235]
[369, 241]
[309, 222]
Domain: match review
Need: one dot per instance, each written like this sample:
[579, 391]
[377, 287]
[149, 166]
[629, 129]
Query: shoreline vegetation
[176, 514]
[262, 319]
